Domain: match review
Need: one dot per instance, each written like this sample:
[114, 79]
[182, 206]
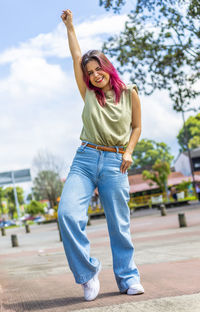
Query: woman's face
[97, 76]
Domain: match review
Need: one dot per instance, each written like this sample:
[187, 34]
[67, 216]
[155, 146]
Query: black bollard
[89, 221]
[163, 210]
[27, 227]
[59, 231]
[14, 240]
[182, 220]
[3, 231]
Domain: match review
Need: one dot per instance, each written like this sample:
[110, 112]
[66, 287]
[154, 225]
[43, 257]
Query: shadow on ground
[51, 303]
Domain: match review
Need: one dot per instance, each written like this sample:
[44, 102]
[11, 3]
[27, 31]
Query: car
[7, 223]
[39, 219]
[27, 218]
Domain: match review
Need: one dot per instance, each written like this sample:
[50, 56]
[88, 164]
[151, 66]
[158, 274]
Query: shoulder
[130, 92]
[132, 96]
[131, 87]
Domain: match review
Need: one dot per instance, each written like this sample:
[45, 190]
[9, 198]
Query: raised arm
[75, 51]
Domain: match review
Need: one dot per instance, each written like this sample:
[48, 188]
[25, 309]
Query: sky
[40, 103]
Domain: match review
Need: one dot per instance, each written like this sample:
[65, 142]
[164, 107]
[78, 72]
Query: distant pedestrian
[111, 128]
[174, 193]
[197, 188]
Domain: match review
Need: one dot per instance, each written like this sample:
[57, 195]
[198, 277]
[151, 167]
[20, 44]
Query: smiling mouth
[99, 80]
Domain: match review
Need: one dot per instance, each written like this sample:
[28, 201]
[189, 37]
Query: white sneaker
[135, 289]
[92, 287]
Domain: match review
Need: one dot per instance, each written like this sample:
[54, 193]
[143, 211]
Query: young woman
[111, 129]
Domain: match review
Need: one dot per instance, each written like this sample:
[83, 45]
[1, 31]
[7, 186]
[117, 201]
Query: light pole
[187, 146]
[16, 198]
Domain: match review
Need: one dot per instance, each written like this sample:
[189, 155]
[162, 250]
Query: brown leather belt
[106, 148]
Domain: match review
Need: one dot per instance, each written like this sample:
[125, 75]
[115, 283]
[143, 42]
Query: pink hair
[117, 85]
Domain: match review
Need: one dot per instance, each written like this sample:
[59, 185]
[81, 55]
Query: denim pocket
[80, 149]
[118, 156]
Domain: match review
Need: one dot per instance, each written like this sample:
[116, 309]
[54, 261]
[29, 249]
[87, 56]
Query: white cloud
[33, 78]
[54, 44]
[160, 121]
[110, 24]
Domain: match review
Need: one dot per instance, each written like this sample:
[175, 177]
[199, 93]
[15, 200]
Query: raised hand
[67, 18]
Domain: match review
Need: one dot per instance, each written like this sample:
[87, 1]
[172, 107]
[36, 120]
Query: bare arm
[135, 134]
[74, 50]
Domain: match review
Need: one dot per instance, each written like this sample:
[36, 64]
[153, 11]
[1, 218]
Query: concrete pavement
[35, 276]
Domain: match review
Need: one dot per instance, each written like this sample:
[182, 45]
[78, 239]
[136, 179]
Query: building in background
[182, 163]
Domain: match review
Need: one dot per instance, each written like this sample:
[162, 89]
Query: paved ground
[36, 277]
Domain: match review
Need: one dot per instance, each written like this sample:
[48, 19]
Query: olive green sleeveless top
[109, 125]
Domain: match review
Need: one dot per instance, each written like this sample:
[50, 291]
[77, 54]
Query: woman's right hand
[67, 18]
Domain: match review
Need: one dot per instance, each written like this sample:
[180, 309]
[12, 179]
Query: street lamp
[187, 146]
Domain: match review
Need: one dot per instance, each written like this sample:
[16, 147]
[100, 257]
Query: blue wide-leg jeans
[92, 168]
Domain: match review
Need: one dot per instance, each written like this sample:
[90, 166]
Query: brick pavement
[35, 275]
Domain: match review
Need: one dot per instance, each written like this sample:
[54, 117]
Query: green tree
[29, 197]
[148, 151]
[9, 194]
[34, 207]
[1, 198]
[192, 127]
[116, 5]
[158, 174]
[184, 186]
[47, 185]
[159, 47]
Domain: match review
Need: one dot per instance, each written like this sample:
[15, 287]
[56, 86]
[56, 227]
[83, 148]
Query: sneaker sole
[132, 291]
